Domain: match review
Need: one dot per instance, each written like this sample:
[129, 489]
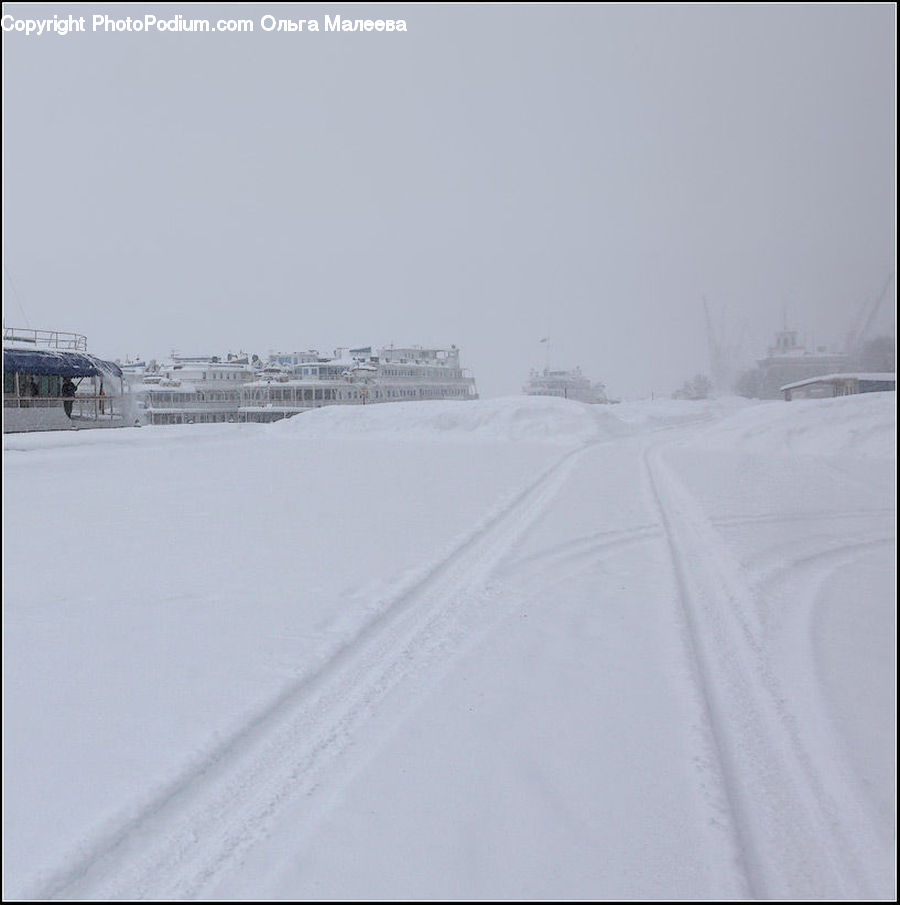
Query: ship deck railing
[48, 339]
[157, 404]
[85, 408]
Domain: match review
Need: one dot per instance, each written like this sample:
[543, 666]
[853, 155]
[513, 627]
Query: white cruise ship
[564, 384]
[189, 390]
[242, 387]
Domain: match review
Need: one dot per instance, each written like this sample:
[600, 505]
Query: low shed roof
[826, 378]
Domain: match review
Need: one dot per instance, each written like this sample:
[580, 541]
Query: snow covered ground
[514, 648]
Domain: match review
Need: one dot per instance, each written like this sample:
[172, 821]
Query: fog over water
[492, 176]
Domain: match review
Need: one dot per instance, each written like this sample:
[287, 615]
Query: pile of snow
[857, 425]
[654, 414]
[863, 426]
[513, 418]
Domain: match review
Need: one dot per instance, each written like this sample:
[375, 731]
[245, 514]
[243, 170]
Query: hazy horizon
[493, 176]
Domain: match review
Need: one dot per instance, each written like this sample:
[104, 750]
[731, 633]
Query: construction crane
[865, 318]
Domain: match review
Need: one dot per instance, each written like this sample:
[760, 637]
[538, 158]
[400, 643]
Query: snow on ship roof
[29, 360]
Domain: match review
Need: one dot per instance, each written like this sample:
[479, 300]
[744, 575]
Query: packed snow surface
[516, 648]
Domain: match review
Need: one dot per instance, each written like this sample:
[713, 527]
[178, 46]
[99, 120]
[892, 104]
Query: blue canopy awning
[52, 361]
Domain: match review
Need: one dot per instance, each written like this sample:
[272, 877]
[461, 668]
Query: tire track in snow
[768, 562]
[788, 825]
[778, 518]
[772, 569]
[795, 591]
[205, 820]
[588, 547]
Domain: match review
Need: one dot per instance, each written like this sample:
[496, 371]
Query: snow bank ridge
[518, 418]
[863, 426]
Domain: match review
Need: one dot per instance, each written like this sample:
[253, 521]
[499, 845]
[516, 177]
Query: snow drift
[514, 418]
[864, 425]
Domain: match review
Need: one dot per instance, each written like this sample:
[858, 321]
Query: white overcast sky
[496, 174]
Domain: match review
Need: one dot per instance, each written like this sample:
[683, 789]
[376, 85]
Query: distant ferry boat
[566, 385]
[242, 387]
[51, 382]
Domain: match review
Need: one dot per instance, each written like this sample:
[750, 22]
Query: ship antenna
[546, 340]
[15, 293]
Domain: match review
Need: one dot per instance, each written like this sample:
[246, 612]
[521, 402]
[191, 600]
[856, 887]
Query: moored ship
[566, 385]
[242, 387]
[51, 382]
[788, 361]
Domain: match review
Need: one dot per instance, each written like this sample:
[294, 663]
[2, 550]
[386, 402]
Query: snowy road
[571, 654]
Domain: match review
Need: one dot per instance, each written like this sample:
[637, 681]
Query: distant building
[830, 385]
